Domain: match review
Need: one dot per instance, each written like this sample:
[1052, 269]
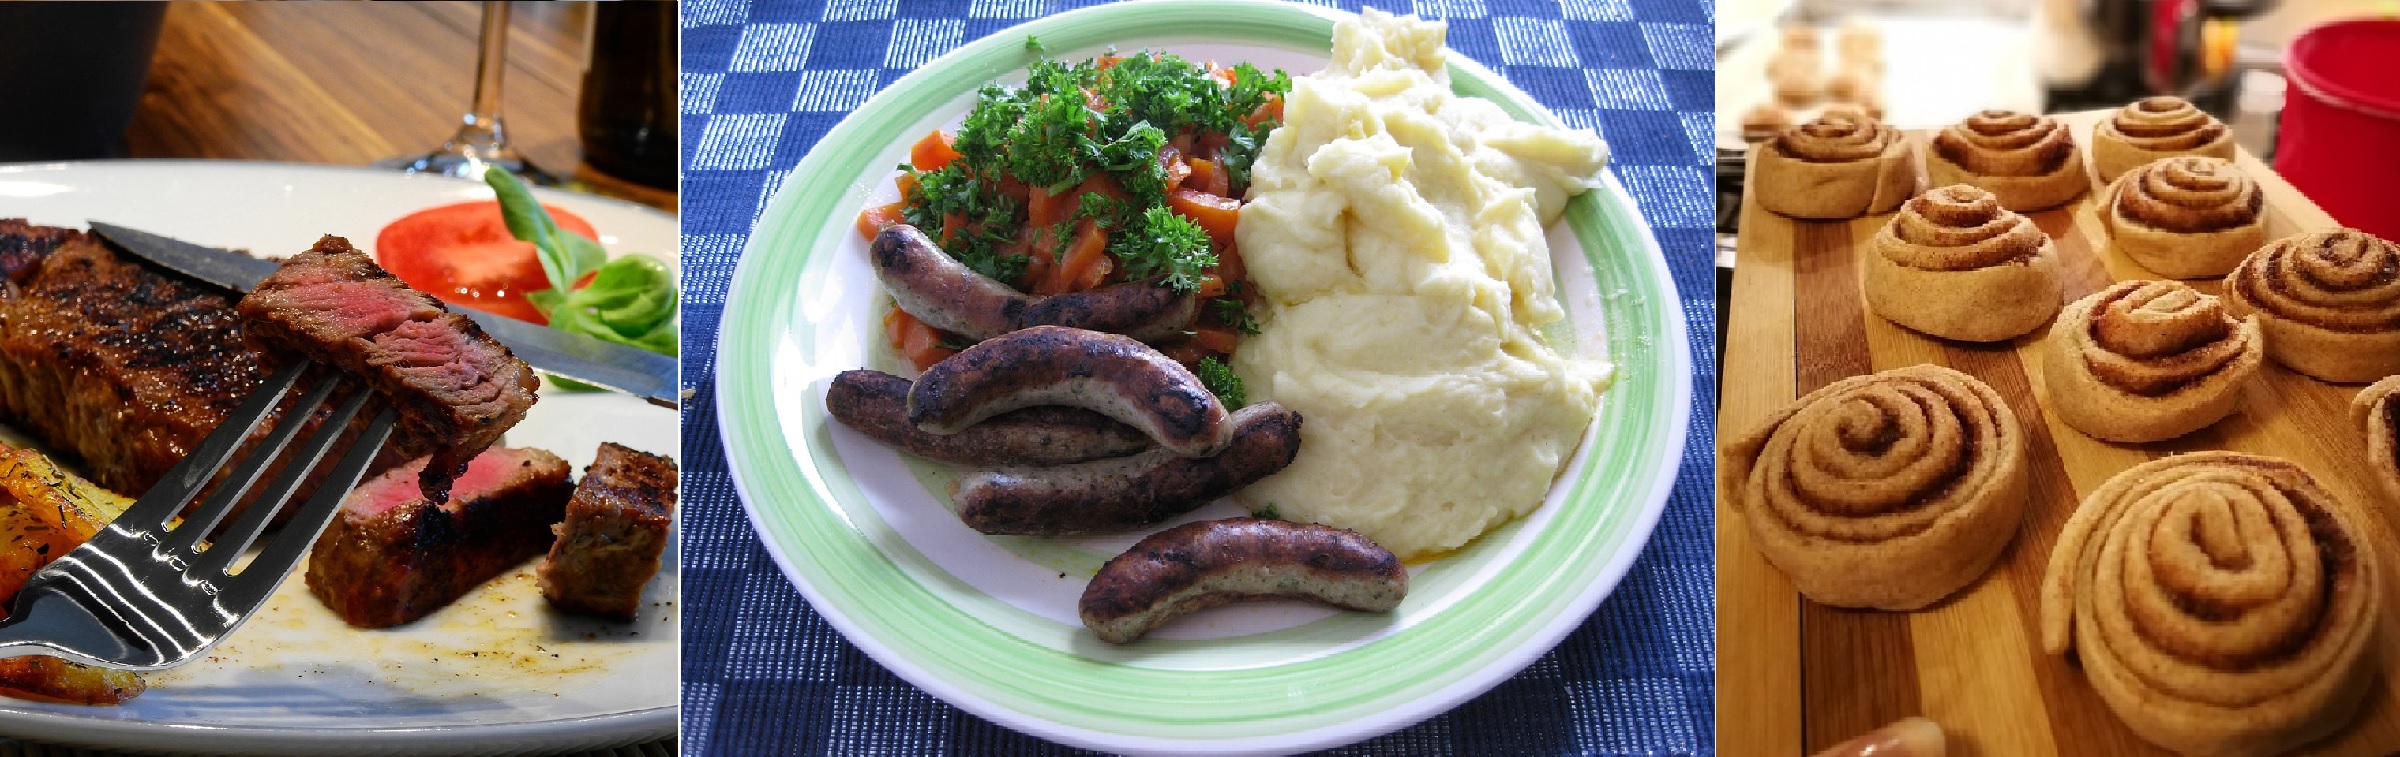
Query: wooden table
[1796, 677]
[353, 83]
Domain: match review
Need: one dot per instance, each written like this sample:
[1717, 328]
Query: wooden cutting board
[1794, 677]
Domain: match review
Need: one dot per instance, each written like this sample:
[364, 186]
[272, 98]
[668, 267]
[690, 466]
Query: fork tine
[174, 490]
[198, 523]
[301, 531]
[237, 537]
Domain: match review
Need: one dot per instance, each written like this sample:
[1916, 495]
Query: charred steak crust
[457, 390]
[384, 567]
[616, 526]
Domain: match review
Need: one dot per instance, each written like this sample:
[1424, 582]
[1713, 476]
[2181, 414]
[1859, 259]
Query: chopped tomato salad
[464, 254]
[1114, 169]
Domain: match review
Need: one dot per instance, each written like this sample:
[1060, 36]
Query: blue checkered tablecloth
[763, 674]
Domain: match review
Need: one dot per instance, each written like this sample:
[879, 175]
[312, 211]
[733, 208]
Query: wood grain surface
[1795, 677]
[354, 83]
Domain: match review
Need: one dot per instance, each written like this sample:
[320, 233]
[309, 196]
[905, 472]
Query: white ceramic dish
[496, 672]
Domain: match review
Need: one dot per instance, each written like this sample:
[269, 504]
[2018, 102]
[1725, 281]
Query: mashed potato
[1396, 233]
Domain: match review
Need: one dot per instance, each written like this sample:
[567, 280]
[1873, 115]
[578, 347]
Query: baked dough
[2330, 303]
[1763, 121]
[2030, 162]
[2143, 361]
[2154, 128]
[1838, 166]
[2220, 603]
[1889, 491]
[1955, 264]
[2378, 409]
[2187, 217]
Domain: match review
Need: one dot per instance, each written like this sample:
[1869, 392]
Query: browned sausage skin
[1113, 375]
[1196, 566]
[876, 404]
[1128, 492]
[947, 295]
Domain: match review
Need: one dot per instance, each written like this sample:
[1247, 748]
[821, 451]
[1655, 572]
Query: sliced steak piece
[118, 363]
[456, 389]
[391, 556]
[617, 525]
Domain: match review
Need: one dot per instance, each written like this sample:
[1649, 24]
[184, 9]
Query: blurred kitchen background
[585, 91]
[1925, 64]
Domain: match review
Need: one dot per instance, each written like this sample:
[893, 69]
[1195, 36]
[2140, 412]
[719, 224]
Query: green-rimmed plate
[989, 623]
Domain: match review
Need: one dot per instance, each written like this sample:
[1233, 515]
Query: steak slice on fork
[457, 390]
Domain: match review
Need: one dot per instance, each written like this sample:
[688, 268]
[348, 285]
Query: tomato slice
[463, 254]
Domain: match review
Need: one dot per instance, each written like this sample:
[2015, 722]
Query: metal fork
[142, 595]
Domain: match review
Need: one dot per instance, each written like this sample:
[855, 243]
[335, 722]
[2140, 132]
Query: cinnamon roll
[2378, 409]
[1838, 166]
[1763, 121]
[2330, 303]
[2220, 603]
[1887, 491]
[2154, 128]
[2143, 361]
[2185, 218]
[2031, 162]
[1954, 263]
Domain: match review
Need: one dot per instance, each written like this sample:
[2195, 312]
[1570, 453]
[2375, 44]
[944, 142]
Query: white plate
[496, 671]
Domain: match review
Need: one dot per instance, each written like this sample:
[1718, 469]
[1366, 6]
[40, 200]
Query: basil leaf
[565, 255]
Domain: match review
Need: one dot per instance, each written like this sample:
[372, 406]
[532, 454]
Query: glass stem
[482, 128]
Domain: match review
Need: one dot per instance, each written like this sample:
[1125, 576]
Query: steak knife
[641, 373]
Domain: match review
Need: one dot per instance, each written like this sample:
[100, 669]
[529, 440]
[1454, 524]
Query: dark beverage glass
[626, 114]
[72, 73]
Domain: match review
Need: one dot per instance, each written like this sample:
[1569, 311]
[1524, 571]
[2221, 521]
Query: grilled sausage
[1196, 566]
[876, 404]
[1053, 365]
[1129, 492]
[946, 294]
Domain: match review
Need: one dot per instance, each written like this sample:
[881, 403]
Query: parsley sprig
[1072, 121]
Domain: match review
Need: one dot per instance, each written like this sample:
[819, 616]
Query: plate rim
[1672, 352]
[586, 731]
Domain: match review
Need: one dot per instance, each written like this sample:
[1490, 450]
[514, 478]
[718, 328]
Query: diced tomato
[1186, 352]
[875, 219]
[1271, 109]
[953, 222]
[1107, 62]
[1229, 75]
[1217, 339]
[463, 253]
[908, 186]
[1215, 214]
[1177, 169]
[1209, 176]
[916, 342]
[933, 152]
[1212, 285]
[1230, 268]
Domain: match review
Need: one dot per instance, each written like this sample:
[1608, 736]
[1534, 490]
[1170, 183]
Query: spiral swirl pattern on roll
[1958, 228]
[1837, 138]
[2378, 410]
[2006, 143]
[2143, 361]
[2330, 302]
[1890, 491]
[2166, 124]
[2188, 195]
[2220, 602]
[2154, 337]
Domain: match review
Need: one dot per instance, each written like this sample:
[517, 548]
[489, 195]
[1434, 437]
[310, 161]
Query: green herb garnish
[631, 299]
[1269, 512]
[1221, 381]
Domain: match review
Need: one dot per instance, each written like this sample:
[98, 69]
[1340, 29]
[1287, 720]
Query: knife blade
[641, 373]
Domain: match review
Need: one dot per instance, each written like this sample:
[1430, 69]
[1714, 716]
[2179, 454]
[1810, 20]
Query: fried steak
[123, 365]
[617, 524]
[456, 389]
[391, 556]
